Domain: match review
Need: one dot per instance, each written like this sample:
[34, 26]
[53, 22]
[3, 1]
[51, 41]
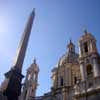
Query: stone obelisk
[14, 77]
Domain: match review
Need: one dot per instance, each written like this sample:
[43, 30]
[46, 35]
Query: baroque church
[75, 77]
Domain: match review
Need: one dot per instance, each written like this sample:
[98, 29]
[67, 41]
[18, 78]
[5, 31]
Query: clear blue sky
[55, 23]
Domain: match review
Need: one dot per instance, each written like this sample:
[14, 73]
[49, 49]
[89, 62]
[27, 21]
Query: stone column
[83, 71]
[80, 50]
[96, 69]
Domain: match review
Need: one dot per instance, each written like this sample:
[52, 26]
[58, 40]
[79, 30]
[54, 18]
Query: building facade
[77, 75]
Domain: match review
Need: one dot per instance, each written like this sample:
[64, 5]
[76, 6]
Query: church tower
[31, 82]
[11, 86]
[89, 57]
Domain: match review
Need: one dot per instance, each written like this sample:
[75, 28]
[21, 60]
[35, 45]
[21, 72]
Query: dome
[68, 58]
[54, 69]
[62, 60]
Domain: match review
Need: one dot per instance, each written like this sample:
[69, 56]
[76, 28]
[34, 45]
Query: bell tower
[31, 82]
[88, 56]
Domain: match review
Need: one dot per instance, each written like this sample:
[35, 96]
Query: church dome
[62, 60]
[69, 58]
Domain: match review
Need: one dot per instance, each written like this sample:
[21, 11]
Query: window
[75, 80]
[89, 70]
[71, 48]
[86, 47]
[61, 81]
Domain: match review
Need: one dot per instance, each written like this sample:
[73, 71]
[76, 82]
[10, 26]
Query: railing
[87, 86]
[36, 98]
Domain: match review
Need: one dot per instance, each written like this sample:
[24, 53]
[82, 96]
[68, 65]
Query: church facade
[75, 77]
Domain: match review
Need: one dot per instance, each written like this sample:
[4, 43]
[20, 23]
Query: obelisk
[14, 77]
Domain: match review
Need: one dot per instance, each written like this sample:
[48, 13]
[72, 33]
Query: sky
[56, 22]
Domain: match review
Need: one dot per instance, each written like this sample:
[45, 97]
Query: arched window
[89, 70]
[86, 47]
[61, 81]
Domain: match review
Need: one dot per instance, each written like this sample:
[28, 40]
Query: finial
[34, 61]
[70, 40]
[34, 9]
[85, 31]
